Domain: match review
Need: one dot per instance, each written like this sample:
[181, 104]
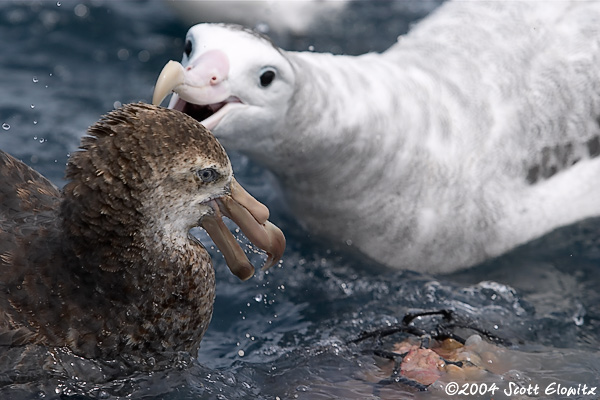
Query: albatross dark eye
[188, 47]
[208, 175]
[266, 78]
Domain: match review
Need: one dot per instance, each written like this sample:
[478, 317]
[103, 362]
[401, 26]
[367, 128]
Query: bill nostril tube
[210, 68]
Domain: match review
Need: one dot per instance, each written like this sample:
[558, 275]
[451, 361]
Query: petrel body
[107, 267]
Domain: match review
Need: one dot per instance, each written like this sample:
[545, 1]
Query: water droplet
[5, 126]
[42, 140]
[241, 353]
[32, 106]
[58, 3]
[144, 55]
[35, 79]
[263, 27]
[123, 54]
[258, 298]
[35, 122]
[311, 48]
[81, 10]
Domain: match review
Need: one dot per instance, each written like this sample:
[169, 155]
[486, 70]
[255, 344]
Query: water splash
[579, 316]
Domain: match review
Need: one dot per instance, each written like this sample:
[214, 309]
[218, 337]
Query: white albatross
[477, 132]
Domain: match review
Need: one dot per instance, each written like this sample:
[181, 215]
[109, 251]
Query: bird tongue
[251, 216]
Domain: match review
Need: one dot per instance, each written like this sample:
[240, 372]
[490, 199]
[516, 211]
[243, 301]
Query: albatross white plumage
[478, 131]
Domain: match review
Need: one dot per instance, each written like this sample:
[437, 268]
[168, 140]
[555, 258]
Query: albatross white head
[232, 80]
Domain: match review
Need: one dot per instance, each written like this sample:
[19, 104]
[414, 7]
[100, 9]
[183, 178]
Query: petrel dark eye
[188, 47]
[208, 175]
[266, 78]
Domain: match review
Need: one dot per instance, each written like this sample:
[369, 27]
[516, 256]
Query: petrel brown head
[182, 179]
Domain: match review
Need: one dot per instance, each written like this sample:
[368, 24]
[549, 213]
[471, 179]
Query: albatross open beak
[201, 89]
[252, 218]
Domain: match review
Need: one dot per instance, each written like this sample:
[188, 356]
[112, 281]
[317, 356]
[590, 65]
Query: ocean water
[287, 333]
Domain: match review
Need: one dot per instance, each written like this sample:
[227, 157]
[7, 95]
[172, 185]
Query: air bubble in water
[263, 27]
[35, 79]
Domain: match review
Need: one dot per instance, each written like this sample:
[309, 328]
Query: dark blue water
[284, 333]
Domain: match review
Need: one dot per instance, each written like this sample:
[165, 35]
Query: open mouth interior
[202, 112]
[199, 113]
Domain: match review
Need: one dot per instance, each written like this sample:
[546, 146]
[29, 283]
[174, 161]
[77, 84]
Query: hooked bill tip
[277, 245]
[171, 76]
